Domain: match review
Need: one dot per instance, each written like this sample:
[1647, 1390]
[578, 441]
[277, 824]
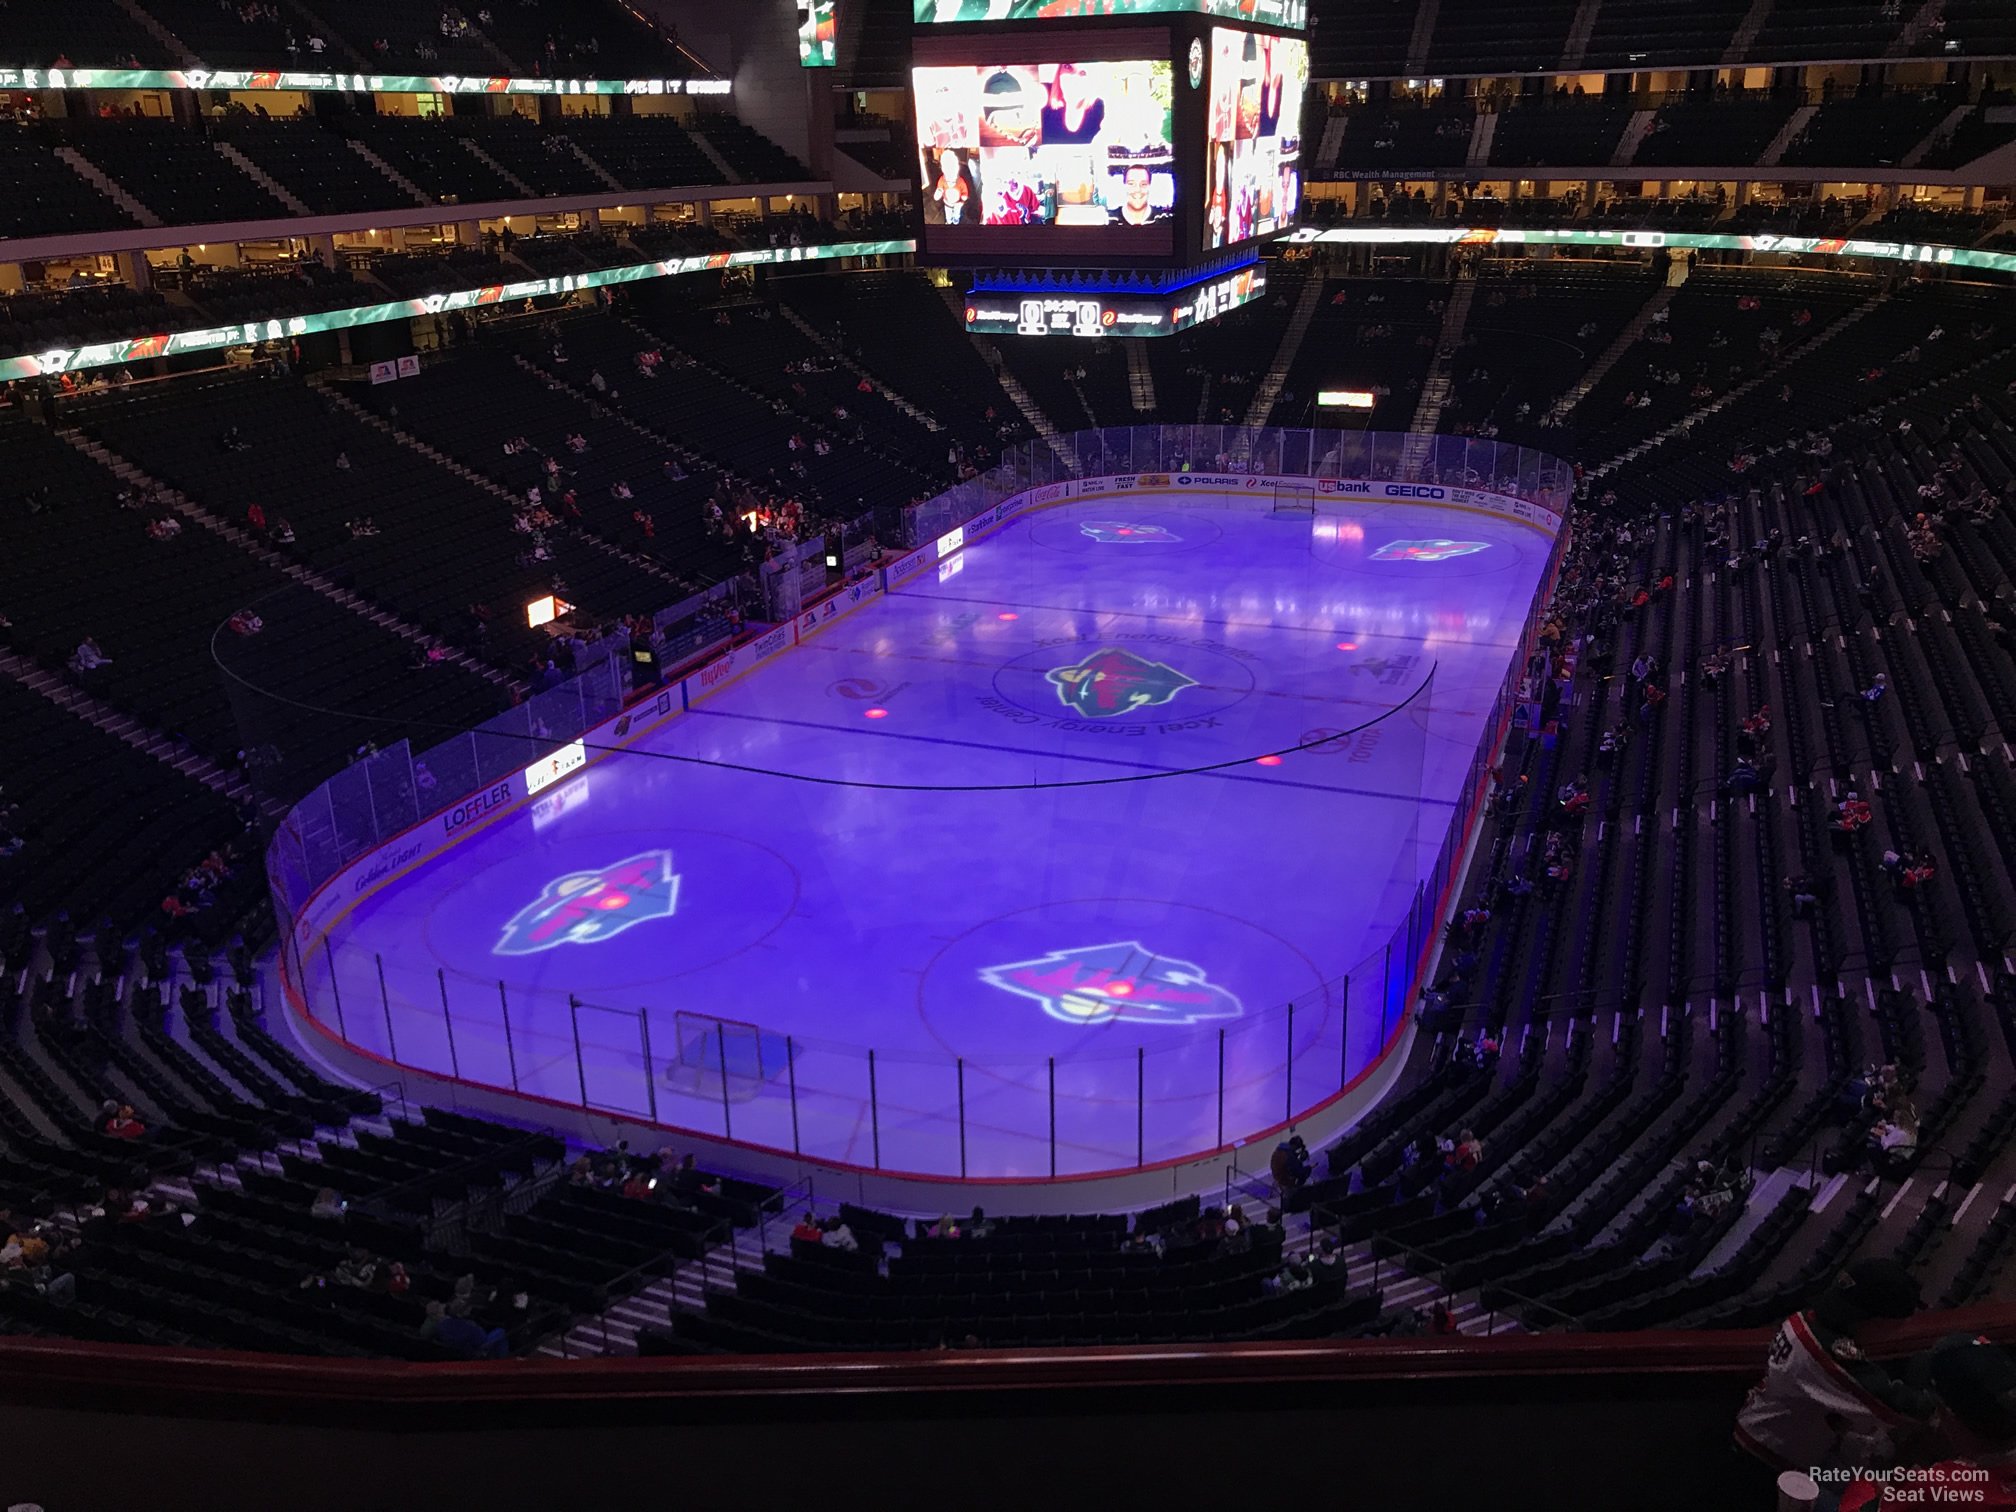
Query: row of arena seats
[553, 38]
[1387, 39]
[237, 1198]
[597, 38]
[1473, 205]
[1698, 131]
[352, 165]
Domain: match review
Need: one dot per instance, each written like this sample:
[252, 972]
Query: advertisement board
[840, 602]
[548, 770]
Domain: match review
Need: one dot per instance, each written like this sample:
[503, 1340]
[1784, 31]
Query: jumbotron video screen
[1013, 152]
[1253, 135]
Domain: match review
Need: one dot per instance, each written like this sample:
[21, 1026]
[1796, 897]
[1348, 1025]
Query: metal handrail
[388, 1195]
[1434, 1266]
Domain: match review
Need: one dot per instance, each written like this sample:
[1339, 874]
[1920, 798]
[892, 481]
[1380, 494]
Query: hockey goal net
[711, 1054]
[1289, 500]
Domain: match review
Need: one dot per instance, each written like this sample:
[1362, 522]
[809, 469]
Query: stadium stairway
[1435, 386]
[1660, 298]
[1687, 422]
[1268, 389]
[675, 586]
[173, 753]
[812, 335]
[306, 576]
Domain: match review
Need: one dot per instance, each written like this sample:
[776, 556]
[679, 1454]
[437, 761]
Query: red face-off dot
[875, 714]
[1008, 616]
[1268, 761]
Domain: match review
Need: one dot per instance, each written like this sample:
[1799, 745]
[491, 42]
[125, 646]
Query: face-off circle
[1391, 542]
[1133, 682]
[1095, 977]
[606, 921]
[1121, 534]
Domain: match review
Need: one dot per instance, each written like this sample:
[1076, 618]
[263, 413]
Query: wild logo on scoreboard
[1116, 533]
[1439, 550]
[588, 907]
[1102, 984]
[1111, 682]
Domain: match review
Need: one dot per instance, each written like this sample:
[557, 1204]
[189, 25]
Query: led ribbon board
[266, 79]
[1707, 241]
[1054, 311]
[57, 360]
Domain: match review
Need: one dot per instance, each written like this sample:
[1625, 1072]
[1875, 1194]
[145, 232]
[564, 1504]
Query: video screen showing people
[1047, 144]
[1253, 135]
[1294, 13]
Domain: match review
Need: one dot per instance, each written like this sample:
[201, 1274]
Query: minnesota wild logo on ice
[588, 907]
[1439, 550]
[1103, 984]
[1120, 533]
[1112, 681]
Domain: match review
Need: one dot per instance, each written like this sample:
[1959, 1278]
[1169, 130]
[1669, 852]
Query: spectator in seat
[1851, 814]
[689, 1178]
[1804, 895]
[808, 1231]
[1823, 1402]
[463, 1336]
[1290, 1164]
[1893, 1139]
[1463, 1156]
[979, 1225]
[328, 1206]
[838, 1236]
[1575, 798]
[124, 1124]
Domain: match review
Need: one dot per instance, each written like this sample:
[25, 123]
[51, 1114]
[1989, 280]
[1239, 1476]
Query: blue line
[1133, 766]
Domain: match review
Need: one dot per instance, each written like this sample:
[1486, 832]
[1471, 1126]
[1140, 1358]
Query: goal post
[711, 1054]
[1291, 500]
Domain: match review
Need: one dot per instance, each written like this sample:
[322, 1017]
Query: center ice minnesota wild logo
[1099, 984]
[1439, 550]
[1111, 681]
[586, 908]
[1115, 532]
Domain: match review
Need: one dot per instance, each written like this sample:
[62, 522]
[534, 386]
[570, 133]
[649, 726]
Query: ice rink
[962, 828]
